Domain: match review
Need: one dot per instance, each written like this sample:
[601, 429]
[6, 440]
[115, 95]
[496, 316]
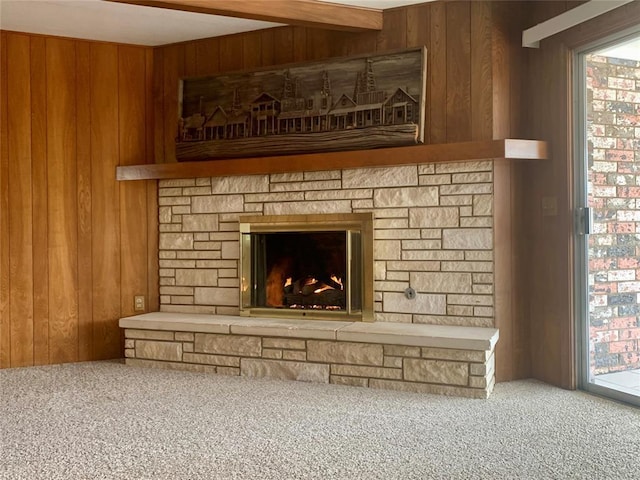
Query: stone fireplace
[432, 232]
[416, 240]
[307, 266]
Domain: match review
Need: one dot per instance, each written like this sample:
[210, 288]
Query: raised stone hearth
[417, 358]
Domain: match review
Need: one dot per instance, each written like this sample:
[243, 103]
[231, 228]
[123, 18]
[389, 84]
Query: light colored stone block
[395, 234]
[177, 182]
[380, 177]
[205, 359]
[297, 355]
[240, 184]
[291, 208]
[410, 266]
[394, 317]
[230, 250]
[323, 175]
[386, 250]
[448, 320]
[429, 388]
[441, 282]
[184, 336]
[129, 343]
[149, 349]
[456, 200]
[350, 381]
[274, 197]
[436, 371]
[365, 193]
[482, 369]
[401, 351]
[240, 345]
[199, 223]
[288, 343]
[454, 354]
[177, 263]
[472, 177]
[482, 205]
[217, 296]
[467, 266]
[271, 353]
[187, 347]
[435, 179]
[360, 371]
[467, 239]
[392, 362]
[284, 370]
[476, 222]
[466, 189]
[287, 177]
[217, 204]
[390, 223]
[306, 186]
[129, 353]
[231, 371]
[148, 334]
[196, 277]
[344, 352]
[176, 290]
[406, 197]
[170, 228]
[176, 241]
[461, 167]
[188, 367]
[433, 217]
[483, 300]
[422, 303]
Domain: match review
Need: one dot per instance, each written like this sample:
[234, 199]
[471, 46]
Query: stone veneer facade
[433, 231]
[613, 88]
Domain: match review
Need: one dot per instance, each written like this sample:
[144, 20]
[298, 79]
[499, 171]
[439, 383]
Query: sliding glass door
[608, 195]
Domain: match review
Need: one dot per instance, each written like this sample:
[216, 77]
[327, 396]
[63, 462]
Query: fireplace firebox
[307, 266]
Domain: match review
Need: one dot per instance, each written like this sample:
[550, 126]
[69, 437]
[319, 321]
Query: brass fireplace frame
[348, 222]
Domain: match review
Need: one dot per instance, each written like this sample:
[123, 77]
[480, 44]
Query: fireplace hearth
[307, 266]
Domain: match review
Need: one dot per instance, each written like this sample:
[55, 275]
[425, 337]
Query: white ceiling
[117, 22]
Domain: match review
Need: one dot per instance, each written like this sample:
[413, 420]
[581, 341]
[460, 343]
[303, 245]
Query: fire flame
[288, 282]
[338, 281]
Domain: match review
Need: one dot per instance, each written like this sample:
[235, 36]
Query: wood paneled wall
[75, 245]
[458, 37]
[549, 239]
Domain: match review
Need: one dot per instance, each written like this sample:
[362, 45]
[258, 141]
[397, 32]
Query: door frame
[581, 249]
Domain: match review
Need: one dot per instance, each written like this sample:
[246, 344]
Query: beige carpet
[103, 420]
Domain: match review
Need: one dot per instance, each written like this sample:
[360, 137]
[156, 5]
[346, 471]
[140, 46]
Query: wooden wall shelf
[512, 149]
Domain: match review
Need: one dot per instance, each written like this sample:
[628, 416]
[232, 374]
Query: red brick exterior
[613, 118]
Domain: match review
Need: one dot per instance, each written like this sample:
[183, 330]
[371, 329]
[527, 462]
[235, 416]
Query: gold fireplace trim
[355, 222]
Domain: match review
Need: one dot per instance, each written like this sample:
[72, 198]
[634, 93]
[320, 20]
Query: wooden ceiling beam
[307, 13]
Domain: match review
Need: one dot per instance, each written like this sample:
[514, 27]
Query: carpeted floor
[103, 420]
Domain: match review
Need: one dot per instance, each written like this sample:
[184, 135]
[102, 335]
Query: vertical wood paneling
[61, 175]
[173, 70]
[481, 72]
[251, 50]
[5, 279]
[63, 129]
[153, 277]
[190, 60]
[231, 53]
[458, 71]
[299, 44]
[83, 179]
[40, 201]
[20, 199]
[267, 43]
[318, 44]
[207, 56]
[158, 106]
[438, 77]
[283, 45]
[105, 202]
[394, 31]
[132, 84]
[418, 35]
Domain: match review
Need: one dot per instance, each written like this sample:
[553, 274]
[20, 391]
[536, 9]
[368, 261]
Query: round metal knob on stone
[410, 293]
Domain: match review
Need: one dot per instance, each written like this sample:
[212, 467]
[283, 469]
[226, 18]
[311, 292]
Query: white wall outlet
[138, 303]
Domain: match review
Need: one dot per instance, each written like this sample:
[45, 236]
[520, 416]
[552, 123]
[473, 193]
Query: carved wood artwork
[343, 104]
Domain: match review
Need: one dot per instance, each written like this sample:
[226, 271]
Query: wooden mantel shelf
[511, 149]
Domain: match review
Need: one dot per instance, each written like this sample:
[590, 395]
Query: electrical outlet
[138, 303]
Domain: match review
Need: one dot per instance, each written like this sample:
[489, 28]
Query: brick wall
[433, 232]
[613, 88]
